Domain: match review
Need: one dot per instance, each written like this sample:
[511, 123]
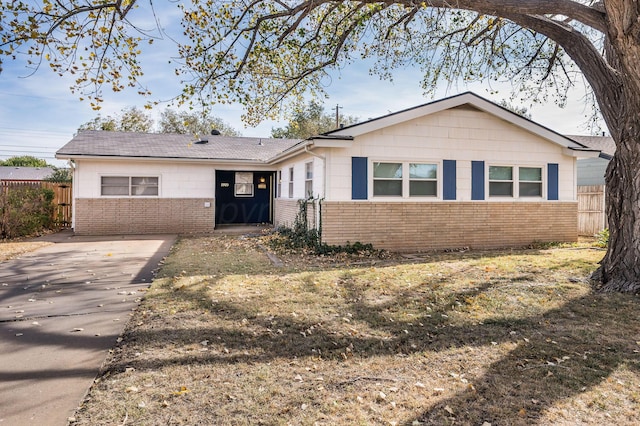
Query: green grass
[511, 337]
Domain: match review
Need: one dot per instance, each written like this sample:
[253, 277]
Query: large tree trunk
[620, 268]
[619, 100]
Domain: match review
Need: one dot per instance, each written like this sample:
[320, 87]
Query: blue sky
[39, 114]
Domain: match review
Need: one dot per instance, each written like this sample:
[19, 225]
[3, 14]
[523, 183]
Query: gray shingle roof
[603, 143]
[24, 173]
[172, 146]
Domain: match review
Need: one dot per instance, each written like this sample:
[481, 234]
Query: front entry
[243, 197]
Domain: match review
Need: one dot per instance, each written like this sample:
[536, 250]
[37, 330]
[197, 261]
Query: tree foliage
[133, 119]
[311, 120]
[183, 122]
[59, 175]
[24, 161]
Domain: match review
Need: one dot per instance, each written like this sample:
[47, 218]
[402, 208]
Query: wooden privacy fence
[591, 209]
[61, 200]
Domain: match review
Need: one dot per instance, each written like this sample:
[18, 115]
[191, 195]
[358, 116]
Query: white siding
[298, 164]
[176, 179]
[460, 134]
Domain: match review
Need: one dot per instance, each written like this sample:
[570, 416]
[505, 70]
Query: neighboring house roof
[602, 143]
[24, 173]
[466, 98]
[98, 143]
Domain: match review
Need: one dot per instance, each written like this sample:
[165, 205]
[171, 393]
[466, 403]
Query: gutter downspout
[324, 188]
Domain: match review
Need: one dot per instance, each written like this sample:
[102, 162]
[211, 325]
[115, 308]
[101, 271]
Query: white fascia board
[587, 153]
[332, 143]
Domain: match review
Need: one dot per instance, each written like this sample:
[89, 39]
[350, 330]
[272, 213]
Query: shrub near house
[25, 209]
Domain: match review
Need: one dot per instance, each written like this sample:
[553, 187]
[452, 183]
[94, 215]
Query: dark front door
[243, 197]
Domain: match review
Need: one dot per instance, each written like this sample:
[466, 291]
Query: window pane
[243, 190]
[419, 188]
[500, 173]
[532, 174]
[115, 181]
[423, 171]
[501, 189]
[144, 181]
[114, 185]
[528, 189]
[115, 190]
[387, 170]
[144, 186]
[387, 187]
[308, 168]
[244, 177]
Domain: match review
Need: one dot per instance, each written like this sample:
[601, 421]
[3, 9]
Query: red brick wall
[109, 216]
[441, 225]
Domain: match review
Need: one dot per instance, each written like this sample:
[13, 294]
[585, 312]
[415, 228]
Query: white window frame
[130, 186]
[406, 180]
[515, 182]
[291, 175]
[279, 184]
[308, 179]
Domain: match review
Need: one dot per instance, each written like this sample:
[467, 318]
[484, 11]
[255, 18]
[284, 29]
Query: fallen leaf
[448, 409]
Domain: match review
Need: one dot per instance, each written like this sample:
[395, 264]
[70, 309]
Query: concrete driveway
[62, 308]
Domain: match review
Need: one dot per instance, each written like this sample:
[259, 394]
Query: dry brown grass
[11, 249]
[506, 338]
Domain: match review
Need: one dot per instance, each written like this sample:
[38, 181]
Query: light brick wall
[113, 216]
[286, 210]
[414, 226]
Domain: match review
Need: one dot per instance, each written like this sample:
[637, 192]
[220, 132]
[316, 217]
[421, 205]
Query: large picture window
[129, 186]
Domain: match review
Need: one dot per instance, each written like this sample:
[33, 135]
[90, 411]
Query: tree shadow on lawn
[557, 354]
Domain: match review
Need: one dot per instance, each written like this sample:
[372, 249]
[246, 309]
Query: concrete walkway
[62, 308]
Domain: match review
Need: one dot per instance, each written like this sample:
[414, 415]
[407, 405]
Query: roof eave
[62, 156]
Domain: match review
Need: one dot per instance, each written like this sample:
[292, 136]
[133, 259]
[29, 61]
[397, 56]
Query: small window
[308, 179]
[290, 182]
[279, 184]
[423, 180]
[129, 186]
[387, 179]
[530, 181]
[500, 181]
[244, 184]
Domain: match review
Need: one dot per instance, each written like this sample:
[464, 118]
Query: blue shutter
[477, 180]
[359, 178]
[449, 179]
[552, 181]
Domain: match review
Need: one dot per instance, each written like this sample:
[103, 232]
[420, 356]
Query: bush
[602, 238]
[25, 210]
[300, 237]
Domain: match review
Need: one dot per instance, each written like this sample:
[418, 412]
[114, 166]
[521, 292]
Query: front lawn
[502, 338]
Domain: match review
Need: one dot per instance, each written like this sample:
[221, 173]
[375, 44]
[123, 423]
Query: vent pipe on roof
[215, 132]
